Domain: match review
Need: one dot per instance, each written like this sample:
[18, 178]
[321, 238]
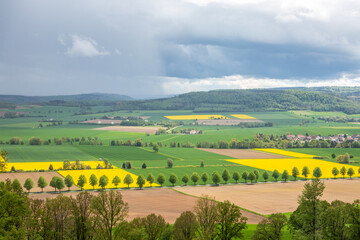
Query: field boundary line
[244, 209]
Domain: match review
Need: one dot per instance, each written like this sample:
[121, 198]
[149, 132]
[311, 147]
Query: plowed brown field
[243, 153]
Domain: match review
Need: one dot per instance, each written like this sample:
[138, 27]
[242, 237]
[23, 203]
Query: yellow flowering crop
[110, 173]
[288, 164]
[193, 117]
[35, 166]
[242, 116]
[285, 153]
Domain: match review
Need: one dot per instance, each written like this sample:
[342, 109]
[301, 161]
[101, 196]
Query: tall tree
[225, 175]
[350, 172]
[151, 179]
[317, 172]
[185, 179]
[216, 178]
[69, 181]
[276, 174]
[354, 220]
[236, 176]
[173, 178]
[93, 180]
[257, 174]
[103, 181]
[81, 214]
[140, 181]
[295, 172]
[109, 211]
[335, 171]
[305, 221]
[161, 179]
[128, 180]
[266, 175]
[154, 226]
[29, 184]
[230, 221]
[245, 176]
[251, 177]
[206, 215]
[81, 181]
[185, 226]
[305, 172]
[204, 177]
[116, 181]
[343, 171]
[285, 175]
[195, 177]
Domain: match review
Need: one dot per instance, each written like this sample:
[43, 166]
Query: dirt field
[227, 122]
[34, 176]
[130, 129]
[276, 197]
[166, 202]
[243, 153]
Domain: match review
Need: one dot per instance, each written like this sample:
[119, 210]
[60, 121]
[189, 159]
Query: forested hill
[250, 100]
[91, 97]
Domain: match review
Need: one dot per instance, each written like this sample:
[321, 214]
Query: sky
[145, 48]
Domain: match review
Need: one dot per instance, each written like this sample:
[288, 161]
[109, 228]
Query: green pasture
[249, 232]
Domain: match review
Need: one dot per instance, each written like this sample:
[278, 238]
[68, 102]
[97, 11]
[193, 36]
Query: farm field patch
[151, 130]
[242, 116]
[288, 164]
[110, 173]
[194, 117]
[285, 153]
[242, 153]
[227, 122]
[275, 197]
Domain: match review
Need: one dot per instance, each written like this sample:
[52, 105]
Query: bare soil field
[276, 197]
[103, 121]
[243, 153]
[34, 177]
[22, 107]
[227, 122]
[130, 129]
[166, 202]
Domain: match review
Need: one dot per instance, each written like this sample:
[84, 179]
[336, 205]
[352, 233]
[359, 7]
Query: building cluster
[339, 138]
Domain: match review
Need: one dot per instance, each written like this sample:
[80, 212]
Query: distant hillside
[91, 97]
[250, 100]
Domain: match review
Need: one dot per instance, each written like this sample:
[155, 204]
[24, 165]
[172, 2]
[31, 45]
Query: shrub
[143, 166]
[35, 141]
[170, 163]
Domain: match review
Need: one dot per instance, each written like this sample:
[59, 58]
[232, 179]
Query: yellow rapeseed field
[288, 164]
[242, 116]
[193, 117]
[285, 153]
[110, 173]
[36, 166]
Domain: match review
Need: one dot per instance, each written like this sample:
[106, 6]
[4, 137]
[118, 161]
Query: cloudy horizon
[165, 47]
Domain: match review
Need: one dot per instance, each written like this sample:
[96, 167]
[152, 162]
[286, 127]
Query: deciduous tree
[185, 226]
[69, 181]
[216, 178]
[128, 180]
[42, 183]
[93, 180]
[140, 181]
[225, 175]
[29, 184]
[103, 181]
[204, 177]
[161, 179]
[295, 172]
[116, 181]
[185, 179]
[206, 215]
[173, 178]
[195, 177]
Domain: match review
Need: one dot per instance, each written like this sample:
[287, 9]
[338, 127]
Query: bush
[35, 141]
[143, 166]
[16, 141]
[128, 165]
[170, 163]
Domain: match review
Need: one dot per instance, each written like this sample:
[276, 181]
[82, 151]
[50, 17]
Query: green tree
[285, 175]
[317, 172]
[251, 177]
[245, 176]
[29, 184]
[270, 228]
[276, 174]
[207, 216]
[204, 177]
[185, 226]
[354, 219]
[216, 178]
[195, 177]
[305, 221]
[173, 179]
[295, 172]
[116, 181]
[305, 172]
[81, 181]
[225, 175]
[4, 160]
[154, 226]
[66, 164]
[59, 182]
[103, 181]
[93, 180]
[140, 181]
[333, 156]
[230, 221]
[42, 183]
[335, 171]
[156, 148]
[69, 181]
[128, 180]
[350, 172]
[266, 175]
[53, 182]
[343, 171]
[170, 163]
[185, 179]
[161, 179]
[257, 174]
[236, 176]
[151, 179]
[109, 212]
[81, 215]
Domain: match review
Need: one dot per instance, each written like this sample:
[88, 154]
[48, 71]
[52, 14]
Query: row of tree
[58, 184]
